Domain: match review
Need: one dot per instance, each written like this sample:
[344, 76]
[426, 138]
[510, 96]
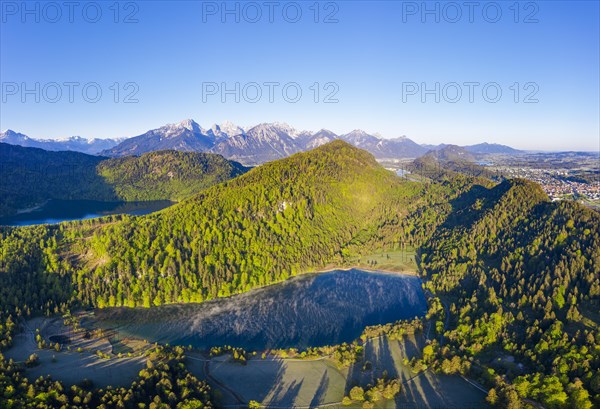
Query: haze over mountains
[251, 146]
[73, 143]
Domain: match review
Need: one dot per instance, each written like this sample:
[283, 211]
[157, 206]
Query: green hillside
[521, 276]
[31, 176]
[277, 220]
[166, 174]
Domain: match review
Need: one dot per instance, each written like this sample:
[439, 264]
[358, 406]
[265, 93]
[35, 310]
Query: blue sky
[376, 57]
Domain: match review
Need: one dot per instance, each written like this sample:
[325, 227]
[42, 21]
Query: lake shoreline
[56, 211]
[370, 270]
[267, 286]
[358, 298]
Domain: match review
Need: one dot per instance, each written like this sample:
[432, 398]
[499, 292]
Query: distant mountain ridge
[258, 144]
[491, 148]
[484, 148]
[73, 143]
[250, 146]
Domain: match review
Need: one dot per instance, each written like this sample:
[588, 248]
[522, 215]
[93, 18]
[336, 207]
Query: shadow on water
[68, 184]
[56, 175]
[55, 211]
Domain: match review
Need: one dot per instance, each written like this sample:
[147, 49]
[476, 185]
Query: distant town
[564, 175]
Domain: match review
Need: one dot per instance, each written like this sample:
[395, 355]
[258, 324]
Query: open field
[286, 383]
[69, 365]
[278, 382]
[275, 382]
[397, 260]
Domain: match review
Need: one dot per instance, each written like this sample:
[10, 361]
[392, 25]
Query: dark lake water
[56, 211]
[309, 310]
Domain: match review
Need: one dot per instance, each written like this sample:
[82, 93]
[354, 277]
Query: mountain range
[249, 146]
[73, 143]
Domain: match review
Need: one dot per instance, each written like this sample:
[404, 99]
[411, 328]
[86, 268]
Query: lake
[308, 310]
[56, 211]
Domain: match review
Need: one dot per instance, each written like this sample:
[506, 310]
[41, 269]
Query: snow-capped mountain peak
[399, 138]
[251, 146]
[226, 129]
[289, 130]
[15, 138]
[176, 129]
[73, 143]
[359, 137]
[10, 133]
[190, 125]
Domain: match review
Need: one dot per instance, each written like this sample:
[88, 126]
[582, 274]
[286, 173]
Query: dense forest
[31, 176]
[166, 174]
[522, 276]
[517, 274]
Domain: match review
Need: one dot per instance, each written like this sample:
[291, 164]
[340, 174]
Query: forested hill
[166, 174]
[522, 277]
[448, 163]
[31, 176]
[519, 274]
[277, 220]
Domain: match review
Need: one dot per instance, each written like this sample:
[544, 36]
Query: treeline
[382, 389]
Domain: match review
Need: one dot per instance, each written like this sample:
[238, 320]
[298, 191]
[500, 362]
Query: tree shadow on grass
[259, 380]
[321, 391]
[379, 354]
[284, 396]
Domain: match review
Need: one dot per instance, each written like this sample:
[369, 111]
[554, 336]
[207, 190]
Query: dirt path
[209, 377]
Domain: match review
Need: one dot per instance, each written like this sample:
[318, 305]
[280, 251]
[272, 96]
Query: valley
[299, 205]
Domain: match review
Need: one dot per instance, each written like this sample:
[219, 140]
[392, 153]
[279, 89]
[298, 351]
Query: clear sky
[371, 62]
